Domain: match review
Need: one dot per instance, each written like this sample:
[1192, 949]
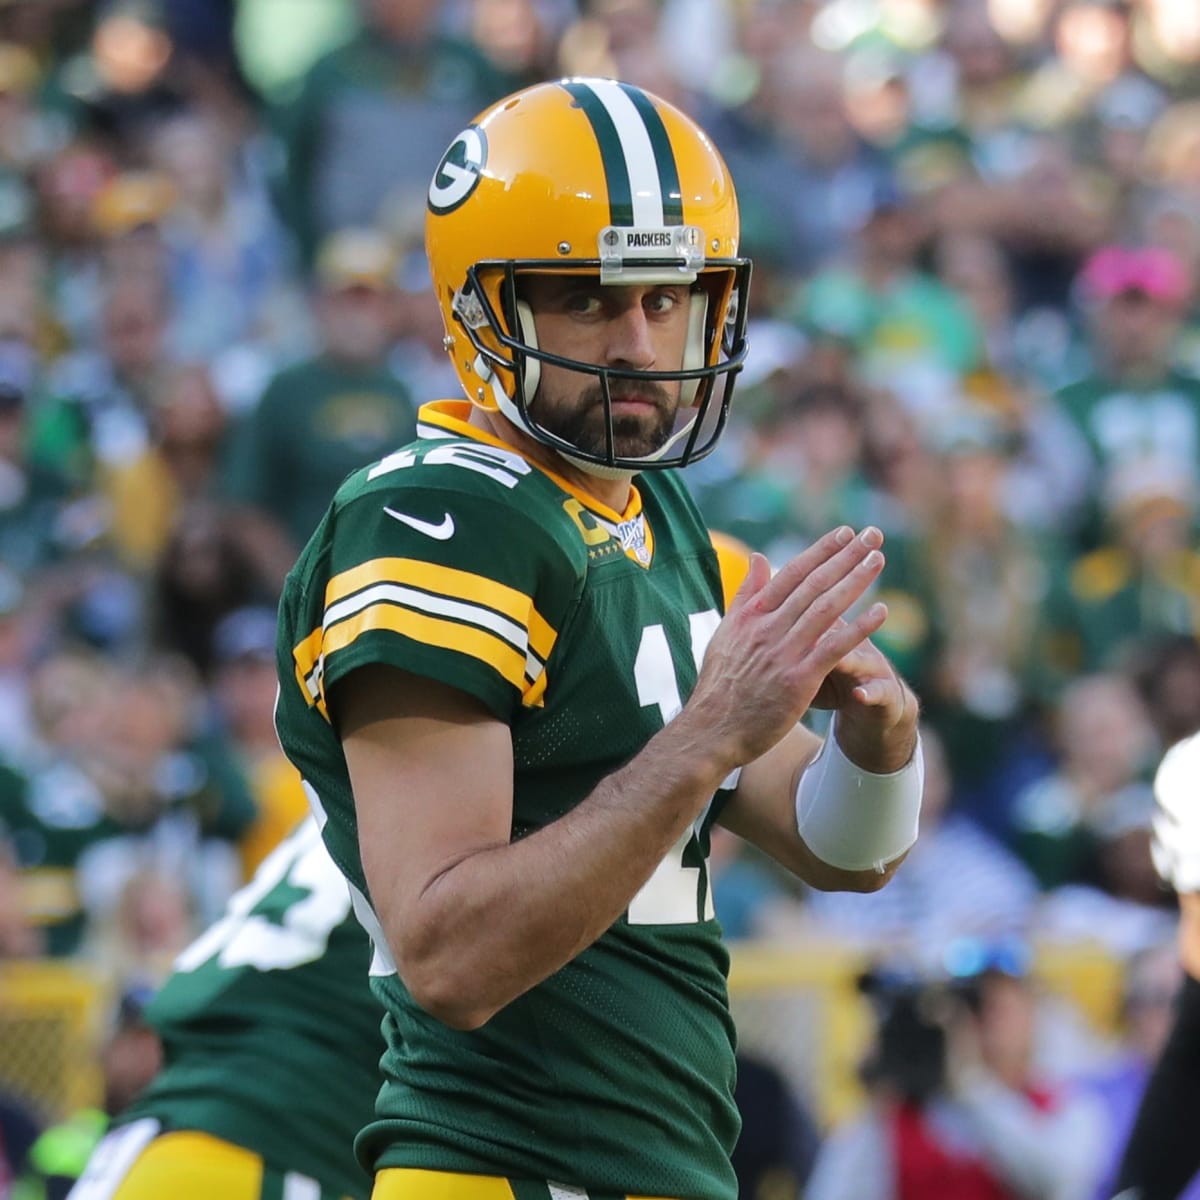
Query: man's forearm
[497, 922]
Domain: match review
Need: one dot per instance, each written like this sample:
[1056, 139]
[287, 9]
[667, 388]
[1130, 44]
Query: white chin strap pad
[694, 347]
[526, 332]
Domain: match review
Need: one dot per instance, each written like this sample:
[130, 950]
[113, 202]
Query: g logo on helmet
[457, 175]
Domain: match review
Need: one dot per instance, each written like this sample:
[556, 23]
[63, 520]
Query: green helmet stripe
[612, 154]
[664, 156]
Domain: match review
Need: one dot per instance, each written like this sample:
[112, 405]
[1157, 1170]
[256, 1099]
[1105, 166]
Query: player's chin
[632, 438]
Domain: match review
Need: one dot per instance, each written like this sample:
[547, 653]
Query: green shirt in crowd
[316, 422]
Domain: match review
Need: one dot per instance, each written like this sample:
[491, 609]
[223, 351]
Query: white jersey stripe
[640, 162]
[300, 1187]
[434, 433]
[113, 1159]
[440, 606]
[381, 956]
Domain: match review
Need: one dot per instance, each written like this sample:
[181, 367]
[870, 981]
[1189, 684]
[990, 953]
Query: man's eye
[662, 302]
[583, 303]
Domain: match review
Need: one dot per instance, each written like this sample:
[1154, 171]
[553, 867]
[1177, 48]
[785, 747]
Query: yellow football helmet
[587, 176]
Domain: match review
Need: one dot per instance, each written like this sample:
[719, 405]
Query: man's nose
[630, 342]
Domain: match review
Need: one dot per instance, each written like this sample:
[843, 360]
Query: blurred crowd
[975, 323]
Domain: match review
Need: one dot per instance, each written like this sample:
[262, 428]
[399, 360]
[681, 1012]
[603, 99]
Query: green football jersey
[271, 1035]
[581, 628]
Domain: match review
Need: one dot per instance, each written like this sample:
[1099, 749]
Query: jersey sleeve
[466, 588]
[1176, 840]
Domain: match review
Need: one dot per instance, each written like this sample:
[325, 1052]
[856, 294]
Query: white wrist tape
[852, 819]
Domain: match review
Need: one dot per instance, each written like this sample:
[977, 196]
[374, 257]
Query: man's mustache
[647, 393]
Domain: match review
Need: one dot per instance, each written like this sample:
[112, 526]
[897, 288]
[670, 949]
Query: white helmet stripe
[644, 182]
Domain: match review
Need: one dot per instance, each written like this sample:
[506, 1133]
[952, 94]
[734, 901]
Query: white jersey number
[244, 938]
[670, 895]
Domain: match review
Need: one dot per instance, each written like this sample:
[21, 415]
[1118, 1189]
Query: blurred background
[975, 323]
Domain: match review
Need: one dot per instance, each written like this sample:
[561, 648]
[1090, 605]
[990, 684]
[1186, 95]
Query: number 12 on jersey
[678, 892]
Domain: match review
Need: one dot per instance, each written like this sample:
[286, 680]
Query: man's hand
[863, 685]
[779, 641]
[783, 646]
[877, 711]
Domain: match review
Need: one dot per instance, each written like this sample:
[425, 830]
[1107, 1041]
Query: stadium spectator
[343, 161]
[1166, 672]
[1105, 746]
[97, 416]
[243, 684]
[1132, 406]
[795, 140]
[19, 937]
[211, 565]
[226, 254]
[1139, 584]
[914, 334]
[178, 467]
[806, 462]
[775, 1153]
[337, 410]
[969, 582]
[957, 1106]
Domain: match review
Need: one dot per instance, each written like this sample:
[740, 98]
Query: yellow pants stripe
[409, 1183]
[138, 1163]
[192, 1166]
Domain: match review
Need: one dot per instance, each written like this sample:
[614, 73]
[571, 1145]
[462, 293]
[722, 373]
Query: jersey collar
[451, 416]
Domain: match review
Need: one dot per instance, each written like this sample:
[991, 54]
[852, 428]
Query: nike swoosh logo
[441, 531]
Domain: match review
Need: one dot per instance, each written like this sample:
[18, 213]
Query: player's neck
[612, 493]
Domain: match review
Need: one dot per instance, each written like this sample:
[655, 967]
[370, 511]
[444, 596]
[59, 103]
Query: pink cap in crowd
[1151, 270]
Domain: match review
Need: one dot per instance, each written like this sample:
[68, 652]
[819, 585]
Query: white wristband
[852, 819]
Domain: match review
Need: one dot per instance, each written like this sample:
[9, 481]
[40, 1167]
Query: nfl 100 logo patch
[632, 536]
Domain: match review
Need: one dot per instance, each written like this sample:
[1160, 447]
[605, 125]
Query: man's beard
[634, 436]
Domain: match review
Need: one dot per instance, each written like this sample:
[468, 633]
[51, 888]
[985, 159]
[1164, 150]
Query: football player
[271, 1042]
[1163, 1152]
[519, 702]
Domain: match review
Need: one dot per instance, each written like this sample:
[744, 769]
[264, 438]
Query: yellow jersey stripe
[305, 655]
[436, 605]
[446, 581]
[541, 636]
[535, 694]
[438, 632]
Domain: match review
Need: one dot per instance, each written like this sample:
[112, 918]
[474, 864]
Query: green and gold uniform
[270, 1036]
[581, 628]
